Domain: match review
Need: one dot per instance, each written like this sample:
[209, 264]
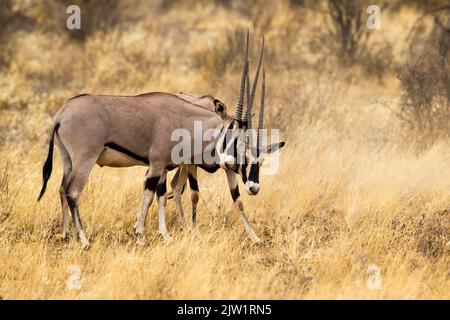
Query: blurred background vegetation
[317, 53]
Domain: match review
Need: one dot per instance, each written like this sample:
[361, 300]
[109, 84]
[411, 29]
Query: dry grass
[352, 190]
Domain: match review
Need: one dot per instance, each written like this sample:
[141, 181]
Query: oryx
[122, 131]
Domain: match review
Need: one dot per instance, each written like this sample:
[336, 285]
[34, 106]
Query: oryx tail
[47, 168]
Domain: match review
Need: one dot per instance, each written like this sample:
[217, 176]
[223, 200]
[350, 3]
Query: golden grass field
[353, 189]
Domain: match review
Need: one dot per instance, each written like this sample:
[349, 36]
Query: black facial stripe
[226, 142]
[161, 189]
[193, 183]
[224, 146]
[243, 172]
[151, 183]
[254, 173]
[235, 193]
[129, 153]
[234, 154]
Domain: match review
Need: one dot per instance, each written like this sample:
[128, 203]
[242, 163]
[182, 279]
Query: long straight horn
[248, 119]
[240, 104]
[255, 80]
[261, 114]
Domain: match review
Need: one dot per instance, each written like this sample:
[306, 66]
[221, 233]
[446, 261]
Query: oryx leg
[64, 211]
[193, 184]
[161, 194]
[234, 190]
[77, 180]
[178, 183]
[150, 184]
[67, 165]
[152, 179]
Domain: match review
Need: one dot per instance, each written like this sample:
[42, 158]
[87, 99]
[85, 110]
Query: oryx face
[251, 168]
[245, 160]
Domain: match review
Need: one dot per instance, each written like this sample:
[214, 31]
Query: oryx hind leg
[178, 183]
[193, 184]
[64, 211]
[76, 182]
[67, 167]
[234, 190]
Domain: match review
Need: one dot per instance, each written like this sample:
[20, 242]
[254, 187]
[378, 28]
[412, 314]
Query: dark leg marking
[74, 210]
[193, 183]
[161, 189]
[71, 202]
[235, 193]
[151, 183]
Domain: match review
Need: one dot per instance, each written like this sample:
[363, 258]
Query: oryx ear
[220, 108]
[274, 147]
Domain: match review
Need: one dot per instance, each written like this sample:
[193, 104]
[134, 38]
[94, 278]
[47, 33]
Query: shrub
[344, 35]
[425, 79]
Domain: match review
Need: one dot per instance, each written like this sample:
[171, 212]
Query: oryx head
[239, 152]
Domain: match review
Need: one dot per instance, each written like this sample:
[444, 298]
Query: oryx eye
[220, 108]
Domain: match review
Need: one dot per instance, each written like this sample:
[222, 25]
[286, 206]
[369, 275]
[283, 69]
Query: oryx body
[121, 131]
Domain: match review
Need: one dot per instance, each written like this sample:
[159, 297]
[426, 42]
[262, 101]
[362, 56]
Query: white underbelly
[113, 158]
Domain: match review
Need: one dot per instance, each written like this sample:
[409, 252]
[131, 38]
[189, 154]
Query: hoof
[140, 241]
[255, 239]
[138, 233]
[182, 222]
[167, 239]
[63, 237]
[85, 245]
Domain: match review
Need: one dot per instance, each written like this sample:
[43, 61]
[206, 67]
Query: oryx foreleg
[155, 182]
[234, 190]
[150, 183]
[161, 193]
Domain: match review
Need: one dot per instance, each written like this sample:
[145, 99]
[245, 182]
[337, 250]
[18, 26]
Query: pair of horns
[245, 88]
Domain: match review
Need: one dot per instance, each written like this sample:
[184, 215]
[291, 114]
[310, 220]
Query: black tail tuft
[48, 165]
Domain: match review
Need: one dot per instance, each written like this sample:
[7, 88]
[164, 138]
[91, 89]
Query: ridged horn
[255, 80]
[248, 116]
[261, 113]
[240, 104]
